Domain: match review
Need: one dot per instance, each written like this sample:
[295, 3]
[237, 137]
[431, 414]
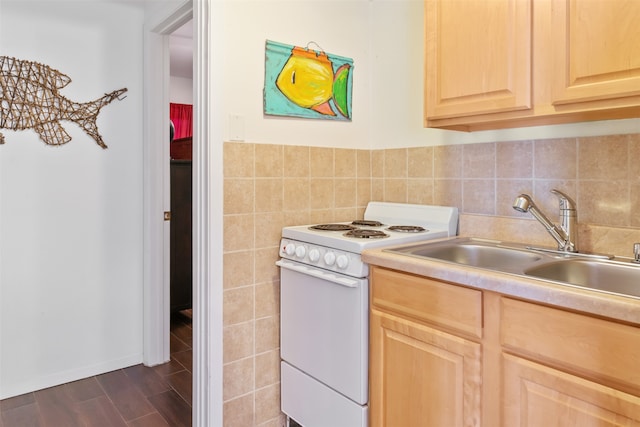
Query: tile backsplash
[269, 186]
[602, 174]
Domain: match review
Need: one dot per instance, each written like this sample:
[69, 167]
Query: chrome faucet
[567, 234]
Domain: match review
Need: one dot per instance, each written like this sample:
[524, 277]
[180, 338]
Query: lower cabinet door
[538, 396]
[421, 376]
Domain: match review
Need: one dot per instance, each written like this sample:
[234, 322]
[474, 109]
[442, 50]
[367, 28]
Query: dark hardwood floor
[132, 397]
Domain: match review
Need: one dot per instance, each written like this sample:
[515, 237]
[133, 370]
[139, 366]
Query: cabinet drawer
[597, 348]
[450, 306]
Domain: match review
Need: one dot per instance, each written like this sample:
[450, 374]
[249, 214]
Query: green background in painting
[275, 103]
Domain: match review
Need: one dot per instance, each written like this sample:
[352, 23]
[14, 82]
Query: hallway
[132, 397]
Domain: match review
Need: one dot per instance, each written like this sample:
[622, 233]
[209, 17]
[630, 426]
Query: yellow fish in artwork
[309, 81]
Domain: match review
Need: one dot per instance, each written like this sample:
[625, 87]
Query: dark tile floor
[132, 397]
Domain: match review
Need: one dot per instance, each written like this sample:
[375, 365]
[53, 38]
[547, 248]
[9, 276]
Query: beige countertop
[565, 296]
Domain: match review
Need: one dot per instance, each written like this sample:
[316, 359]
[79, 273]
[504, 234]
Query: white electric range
[324, 293]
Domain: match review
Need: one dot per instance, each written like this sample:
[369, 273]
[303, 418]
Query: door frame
[207, 201]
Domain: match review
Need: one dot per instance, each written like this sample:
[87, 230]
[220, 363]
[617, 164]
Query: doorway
[207, 201]
[181, 167]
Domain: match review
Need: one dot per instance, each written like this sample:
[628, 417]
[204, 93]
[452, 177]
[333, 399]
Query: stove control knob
[342, 261]
[301, 251]
[329, 258]
[314, 255]
[290, 249]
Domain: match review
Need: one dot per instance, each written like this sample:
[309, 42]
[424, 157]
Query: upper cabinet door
[478, 57]
[493, 64]
[596, 50]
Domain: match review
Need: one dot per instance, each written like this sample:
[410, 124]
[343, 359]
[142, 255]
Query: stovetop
[384, 224]
[333, 247]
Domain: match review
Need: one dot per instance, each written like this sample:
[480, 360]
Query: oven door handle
[320, 274]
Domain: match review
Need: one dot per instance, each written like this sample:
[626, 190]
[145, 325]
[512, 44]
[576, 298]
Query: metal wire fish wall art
[29, 99]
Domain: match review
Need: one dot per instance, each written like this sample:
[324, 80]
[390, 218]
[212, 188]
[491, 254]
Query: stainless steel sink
[583, 270]
[608, 276]
[474, 252]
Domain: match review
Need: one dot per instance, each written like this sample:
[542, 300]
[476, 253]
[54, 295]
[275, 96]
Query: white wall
[181, 90]
[339, 27]
[71, 216]
[385, 39]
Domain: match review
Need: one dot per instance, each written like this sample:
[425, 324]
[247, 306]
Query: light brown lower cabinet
[537, 395]
[443, 355]
[426, 377]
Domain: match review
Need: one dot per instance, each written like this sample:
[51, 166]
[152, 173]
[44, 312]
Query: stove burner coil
[407, 228]
[332, 227]
[367, 223]
[363, 233]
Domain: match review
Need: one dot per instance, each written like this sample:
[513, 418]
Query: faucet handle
[636, 252]
[566, 202]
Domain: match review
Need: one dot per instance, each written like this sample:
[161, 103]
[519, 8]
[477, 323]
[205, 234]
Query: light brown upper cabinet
[492, 64]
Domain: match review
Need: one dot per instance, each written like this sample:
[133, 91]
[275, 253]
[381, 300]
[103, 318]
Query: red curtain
[181, 116]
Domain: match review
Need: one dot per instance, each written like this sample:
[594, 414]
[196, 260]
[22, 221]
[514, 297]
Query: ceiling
[181, 51]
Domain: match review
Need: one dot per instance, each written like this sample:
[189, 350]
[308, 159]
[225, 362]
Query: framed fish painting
[303, 82]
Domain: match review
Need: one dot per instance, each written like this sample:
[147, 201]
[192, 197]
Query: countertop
[622, 308]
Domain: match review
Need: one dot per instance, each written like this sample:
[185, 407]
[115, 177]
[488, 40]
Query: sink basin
[590, 271]
[613, 277]
[476, 253]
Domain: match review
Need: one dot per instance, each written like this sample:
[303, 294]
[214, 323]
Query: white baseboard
[51, 380]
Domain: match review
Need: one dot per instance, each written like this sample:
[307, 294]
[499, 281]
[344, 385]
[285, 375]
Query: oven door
[324, 329]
